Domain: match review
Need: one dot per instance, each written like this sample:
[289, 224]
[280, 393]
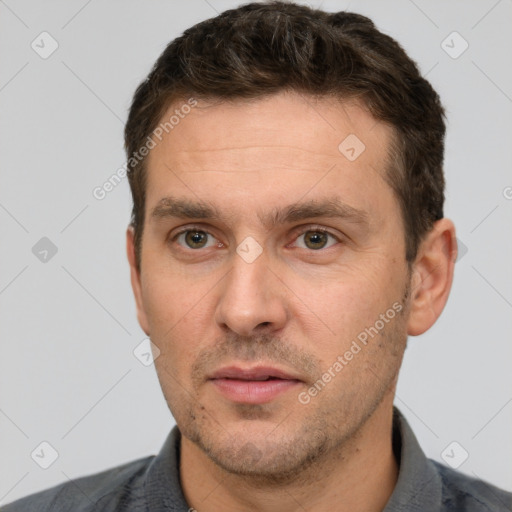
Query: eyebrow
[332, 207]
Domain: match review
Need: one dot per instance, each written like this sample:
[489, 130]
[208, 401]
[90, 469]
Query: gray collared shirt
[152, 485]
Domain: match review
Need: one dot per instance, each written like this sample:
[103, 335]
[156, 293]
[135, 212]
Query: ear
[432, 277]
[136, 280]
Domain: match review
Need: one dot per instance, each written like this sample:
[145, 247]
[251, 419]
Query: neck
[358, 476]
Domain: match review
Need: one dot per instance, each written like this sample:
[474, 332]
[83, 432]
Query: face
[273, 277]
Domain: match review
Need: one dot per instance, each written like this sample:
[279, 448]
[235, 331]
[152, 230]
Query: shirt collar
[163, 487]
[419, 485]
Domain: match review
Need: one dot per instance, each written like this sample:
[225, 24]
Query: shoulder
[462, 492]
[107, 490]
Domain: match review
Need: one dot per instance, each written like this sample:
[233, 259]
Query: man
[287, 236]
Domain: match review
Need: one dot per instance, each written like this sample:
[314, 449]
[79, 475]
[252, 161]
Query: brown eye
[315, 240]
[195, 239]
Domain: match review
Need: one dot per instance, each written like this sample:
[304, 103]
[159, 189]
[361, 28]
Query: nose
[252, 299]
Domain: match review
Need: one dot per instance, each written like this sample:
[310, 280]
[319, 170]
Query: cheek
[345, 311]
[365, 335]
[345, 297]
[167, 295]
[180, 312]
[345, 306]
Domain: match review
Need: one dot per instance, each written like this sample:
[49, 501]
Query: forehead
[298, 121]
[274, 146]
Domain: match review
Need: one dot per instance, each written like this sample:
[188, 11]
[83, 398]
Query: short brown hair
[260, 49]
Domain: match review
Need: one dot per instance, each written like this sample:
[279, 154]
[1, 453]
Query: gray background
[68, 375]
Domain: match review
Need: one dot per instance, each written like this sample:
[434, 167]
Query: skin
[297, 306]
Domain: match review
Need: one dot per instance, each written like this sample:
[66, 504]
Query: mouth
[256, 385]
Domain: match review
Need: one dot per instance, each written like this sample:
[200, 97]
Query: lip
[255, 373]
[256, 385]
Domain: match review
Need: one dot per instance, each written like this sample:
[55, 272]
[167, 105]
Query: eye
[196, 239]
[316, 239]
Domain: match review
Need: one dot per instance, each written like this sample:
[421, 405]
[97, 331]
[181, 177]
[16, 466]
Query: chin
[246, 454]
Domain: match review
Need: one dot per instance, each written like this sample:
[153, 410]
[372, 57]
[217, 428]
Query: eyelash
[315, 229]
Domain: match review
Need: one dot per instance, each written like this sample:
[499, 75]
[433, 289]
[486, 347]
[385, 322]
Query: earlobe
[135, 278]
[432, 276]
